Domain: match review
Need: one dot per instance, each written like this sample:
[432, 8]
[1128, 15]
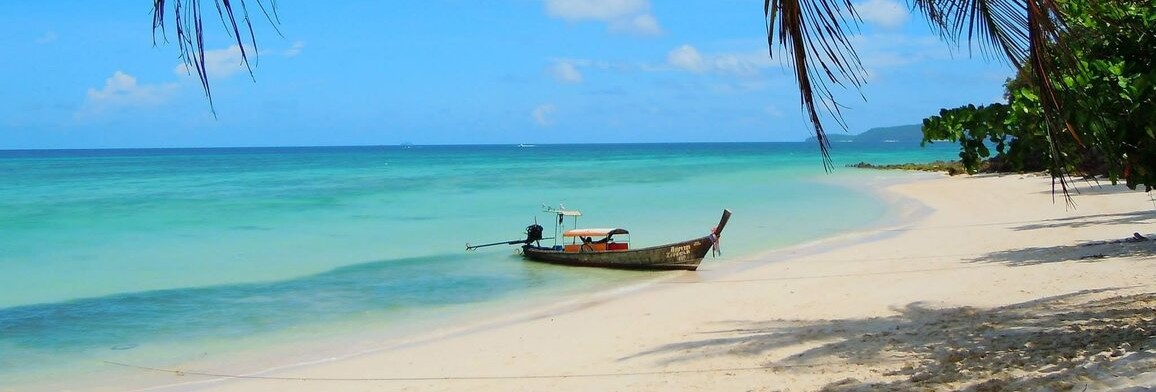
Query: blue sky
[77, 74]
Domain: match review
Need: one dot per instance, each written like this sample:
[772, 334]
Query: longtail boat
[611, 249]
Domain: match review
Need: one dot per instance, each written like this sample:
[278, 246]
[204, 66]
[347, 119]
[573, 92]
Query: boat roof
[593, 232]
[568, 212]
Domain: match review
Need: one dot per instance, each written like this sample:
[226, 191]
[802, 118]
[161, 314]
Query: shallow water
[160, 256]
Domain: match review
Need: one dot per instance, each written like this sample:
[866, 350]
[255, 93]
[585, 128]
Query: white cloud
[223, 63]
[886, 13]
[294, 50]
[219, 64]
[641, 24]
[888, 55]
[686, 57]
[566, 72]
[878, 51]
[741, 63]
[121, 90]
[603, 10]
[543, 114]
[124, 88]
[625, 16]
[47, 38]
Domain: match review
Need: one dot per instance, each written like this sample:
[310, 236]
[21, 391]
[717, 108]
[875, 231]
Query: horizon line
[378, 145]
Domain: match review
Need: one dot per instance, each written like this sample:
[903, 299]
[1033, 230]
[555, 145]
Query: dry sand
[985, 285]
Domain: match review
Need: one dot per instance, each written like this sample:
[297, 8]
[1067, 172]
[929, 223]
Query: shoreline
[254, 358]
[750, 323]
[497, 314]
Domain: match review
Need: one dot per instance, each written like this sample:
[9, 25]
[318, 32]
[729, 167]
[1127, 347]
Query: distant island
[906, 134]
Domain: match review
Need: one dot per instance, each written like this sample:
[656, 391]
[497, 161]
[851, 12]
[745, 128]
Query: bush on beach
[1107, 97]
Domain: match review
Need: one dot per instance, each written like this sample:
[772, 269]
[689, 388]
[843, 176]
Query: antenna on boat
[562, 213]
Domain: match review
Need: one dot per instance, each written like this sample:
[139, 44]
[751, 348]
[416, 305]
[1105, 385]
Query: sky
[83, 74]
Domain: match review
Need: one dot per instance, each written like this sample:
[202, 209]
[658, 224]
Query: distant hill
[906, 134]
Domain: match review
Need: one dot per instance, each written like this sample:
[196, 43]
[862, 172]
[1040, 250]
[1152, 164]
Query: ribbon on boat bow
[714, 242]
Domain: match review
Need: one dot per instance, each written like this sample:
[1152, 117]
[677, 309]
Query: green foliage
[1111, 91]
[972, 127]
[1107, 96]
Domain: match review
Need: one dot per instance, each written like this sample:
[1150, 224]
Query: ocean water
[171, 257]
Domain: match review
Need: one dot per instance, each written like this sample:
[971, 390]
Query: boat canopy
[568, 212]
[594, 232]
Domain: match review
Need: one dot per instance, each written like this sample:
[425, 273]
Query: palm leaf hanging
[814, 35]
[188, 18]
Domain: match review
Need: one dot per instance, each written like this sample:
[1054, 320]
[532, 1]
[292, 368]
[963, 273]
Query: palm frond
[997, 26]
[814, 35]
[190, 32]
[1027, 34]
[1043, 32]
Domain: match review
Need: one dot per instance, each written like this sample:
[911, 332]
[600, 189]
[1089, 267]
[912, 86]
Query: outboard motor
[533, 233]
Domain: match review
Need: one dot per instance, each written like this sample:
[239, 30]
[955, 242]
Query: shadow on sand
[1053, 343]
[1143, 217]
[1086, 252]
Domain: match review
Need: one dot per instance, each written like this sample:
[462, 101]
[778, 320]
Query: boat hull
[684, 255]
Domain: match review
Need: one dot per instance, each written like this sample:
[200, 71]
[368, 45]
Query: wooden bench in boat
[596, 247]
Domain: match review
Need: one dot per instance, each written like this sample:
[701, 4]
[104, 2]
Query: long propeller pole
[472, 247]
[514, 242]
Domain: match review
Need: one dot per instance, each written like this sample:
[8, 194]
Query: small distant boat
[612, 247]
[526, 145]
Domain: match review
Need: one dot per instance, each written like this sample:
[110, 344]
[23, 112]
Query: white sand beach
[985, 284]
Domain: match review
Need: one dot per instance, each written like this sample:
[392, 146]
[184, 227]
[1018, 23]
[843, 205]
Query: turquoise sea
[235, 259]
